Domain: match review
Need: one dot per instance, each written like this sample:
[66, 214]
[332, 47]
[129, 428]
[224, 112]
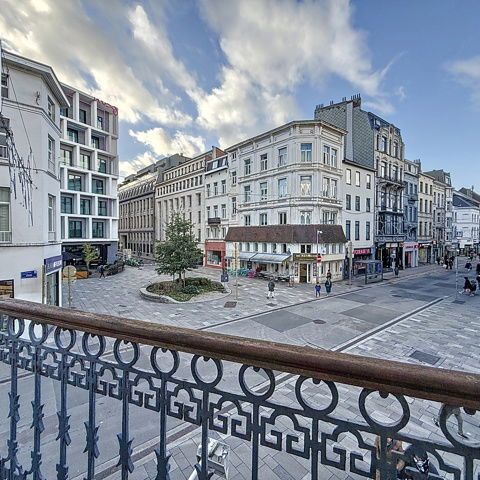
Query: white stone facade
[89, 176]
[30, 252]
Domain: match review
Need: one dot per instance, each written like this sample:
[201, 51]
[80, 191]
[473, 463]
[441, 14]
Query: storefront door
[303, 273]
[52, 289]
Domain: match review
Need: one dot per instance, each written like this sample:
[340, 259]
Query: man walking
[318, 289]
[102, 271]
[271, 289]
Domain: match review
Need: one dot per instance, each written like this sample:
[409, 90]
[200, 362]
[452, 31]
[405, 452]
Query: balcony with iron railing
[93, 396]
[393, 180]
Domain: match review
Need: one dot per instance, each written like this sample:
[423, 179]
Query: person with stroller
[469, 287]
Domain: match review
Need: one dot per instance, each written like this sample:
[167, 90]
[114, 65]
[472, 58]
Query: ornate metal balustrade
[334, 413]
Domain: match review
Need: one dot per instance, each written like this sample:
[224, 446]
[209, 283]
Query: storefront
[52, 290]
[424, 252]
[360, 255]
[305, 267]
[410, 254]
[389, 254]
[214, 254]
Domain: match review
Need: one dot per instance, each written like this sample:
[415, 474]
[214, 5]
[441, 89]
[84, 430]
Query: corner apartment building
[425, 218]
[289, 181]
[379, 143]
[180, 189]
[89, 176]
[30, 242]
[220, 207]
[466, 220]
[410, 214]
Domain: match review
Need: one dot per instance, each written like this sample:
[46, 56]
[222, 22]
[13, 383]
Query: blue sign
[29, 274]
[224, 278]
[53, 263]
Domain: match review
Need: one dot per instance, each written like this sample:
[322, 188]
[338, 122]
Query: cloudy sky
[188, 74]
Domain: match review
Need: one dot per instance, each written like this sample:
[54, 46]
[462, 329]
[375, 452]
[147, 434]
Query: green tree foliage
[89, 254]
[179, 252]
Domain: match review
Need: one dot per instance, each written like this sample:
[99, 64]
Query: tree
[179, 252]
[89, 254]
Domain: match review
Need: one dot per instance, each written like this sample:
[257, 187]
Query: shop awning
[243, 255]
[270, 257]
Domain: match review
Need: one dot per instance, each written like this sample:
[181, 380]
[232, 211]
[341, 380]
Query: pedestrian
[318, 289]
[458, 415]
[271, 289]
[329, 275]
[450, 263]
[391, 457]
[328, 285]
[478, 268]
[395, 270]
[468, 266]
[101, 269]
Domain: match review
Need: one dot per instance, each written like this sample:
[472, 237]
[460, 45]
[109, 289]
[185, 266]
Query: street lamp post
[319, 232]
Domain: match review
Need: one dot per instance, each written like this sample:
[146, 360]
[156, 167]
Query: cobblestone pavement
[444, 335]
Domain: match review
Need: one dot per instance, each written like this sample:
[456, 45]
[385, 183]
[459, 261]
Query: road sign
[319, 258]
[69, 272]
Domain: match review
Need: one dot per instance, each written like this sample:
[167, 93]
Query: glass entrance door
[52, 289]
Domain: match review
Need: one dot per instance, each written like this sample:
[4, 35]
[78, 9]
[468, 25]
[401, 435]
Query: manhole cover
[425, 357]
[459, 301]
[271, 304]
[123, 306]
[319, 322]
[230, 304]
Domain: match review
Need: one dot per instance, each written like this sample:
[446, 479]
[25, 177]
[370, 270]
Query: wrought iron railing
[145, 375]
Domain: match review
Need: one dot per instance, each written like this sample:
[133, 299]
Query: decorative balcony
[391, 180]
[214, 220]
[154, 384]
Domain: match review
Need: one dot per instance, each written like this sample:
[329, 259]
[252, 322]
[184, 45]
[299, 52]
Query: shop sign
[410, 247]
[29, 274]
[53, 263]
[249, 265]
[304, 257]
[362, 251]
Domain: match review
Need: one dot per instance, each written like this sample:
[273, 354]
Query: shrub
[191, 290]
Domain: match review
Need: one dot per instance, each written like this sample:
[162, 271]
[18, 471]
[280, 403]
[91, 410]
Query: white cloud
[62, 35]
[467, 72]
[400, 92]
[160, 142]
[272, 48]
[127, 167]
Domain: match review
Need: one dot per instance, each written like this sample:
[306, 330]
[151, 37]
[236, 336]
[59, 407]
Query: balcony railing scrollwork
[206, 380]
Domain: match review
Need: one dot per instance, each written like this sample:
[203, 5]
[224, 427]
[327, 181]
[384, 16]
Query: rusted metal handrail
[447, 386]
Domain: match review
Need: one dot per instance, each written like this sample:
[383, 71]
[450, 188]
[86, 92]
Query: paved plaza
[414, 318]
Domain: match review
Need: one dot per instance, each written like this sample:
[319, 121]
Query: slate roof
[463, 202]
[470, 193]
[287, 234]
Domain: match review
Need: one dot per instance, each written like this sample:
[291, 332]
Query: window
[348, 176]
[421, 187]
[51, 109]
[74, 182]
[247, 220]
[208, 189]
[348, 202]
[51, 155]
[66, 204]
[234, 177]
[102, 165]
[224, 210]
[263, 219]
[98, 230]
[306, 152]
[102, 208]
[305, 217]
[5, 227]
[274, 248]
[263, 191]
[421, 205]
[208, 212]
[264, 248]
[85, 161]
[369, 181]
[329, 218]
[263, 162]
[282, 187]
[82, 115]
[333, 157]
[215, 188]
[224, 187]
[100, 122]
[247, 167]
[357, 179]
[215, 211]
[305, 185]
[347, 229]
[66, 156]
[305, 248]
[4, 85]
[395, 149]
[357, 230]
[85, 206]
[384, 144]
[51, 214]
[75, 229]
[72, 135]
[95, 142]
[367, 231]
[383, 170]
[98, 186]
[326, 155]
[357, 203]
[247, 193]
[282, 156]
[368, 206]
[234, 205]
[282, 218]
